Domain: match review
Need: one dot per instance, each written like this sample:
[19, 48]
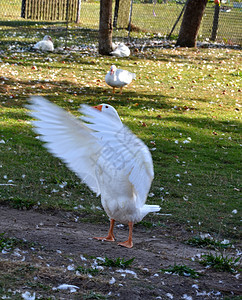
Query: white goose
[104, 153]
[120, 50]
[118, 78]
[45, 45]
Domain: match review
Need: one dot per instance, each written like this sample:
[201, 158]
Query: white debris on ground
[70, 287]
[124, 272]
[28, 296]
[136, 45]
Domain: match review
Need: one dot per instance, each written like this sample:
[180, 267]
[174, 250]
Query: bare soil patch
[58, 244]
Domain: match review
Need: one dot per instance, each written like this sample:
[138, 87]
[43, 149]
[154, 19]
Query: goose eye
[106, 106]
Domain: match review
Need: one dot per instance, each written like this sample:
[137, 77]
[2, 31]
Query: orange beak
[99, 107]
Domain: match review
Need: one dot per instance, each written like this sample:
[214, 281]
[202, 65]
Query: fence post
[215, 22]
[115, 18]
[179, 17]
[67, 21]
[78, 14]
[130, 18]
[23, 7]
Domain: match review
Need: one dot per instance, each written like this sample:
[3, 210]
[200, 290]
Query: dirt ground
[58, 244]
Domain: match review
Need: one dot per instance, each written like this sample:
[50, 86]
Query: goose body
[118, 78]
[45, 45]
[104, 153]
[120, 50]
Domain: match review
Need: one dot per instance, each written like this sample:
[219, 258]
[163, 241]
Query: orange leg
[113, 90]
[110, 237]
[121, 89]
[128, 243]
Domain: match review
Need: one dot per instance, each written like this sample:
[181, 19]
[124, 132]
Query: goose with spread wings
[104, 153]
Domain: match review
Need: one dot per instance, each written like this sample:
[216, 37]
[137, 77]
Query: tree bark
[191, 22]
[105, 27]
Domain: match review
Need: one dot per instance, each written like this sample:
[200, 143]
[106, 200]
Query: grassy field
[184, 105]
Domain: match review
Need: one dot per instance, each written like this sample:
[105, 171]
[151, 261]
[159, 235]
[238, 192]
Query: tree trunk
[105, 27]
[191, 22]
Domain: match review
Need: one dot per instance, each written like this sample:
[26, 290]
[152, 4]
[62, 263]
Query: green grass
[182, 270]
[220, 262]
[91, 271]
[206, 242]
[9, 243]
[187, 98]
[118, 263]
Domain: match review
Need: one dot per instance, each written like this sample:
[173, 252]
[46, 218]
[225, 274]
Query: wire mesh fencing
[229, 23]
[75, 22]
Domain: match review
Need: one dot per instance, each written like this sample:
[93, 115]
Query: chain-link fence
[77, 21]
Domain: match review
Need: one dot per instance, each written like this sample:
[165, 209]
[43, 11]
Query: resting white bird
[45, 45]
[120, 50]
[104, 153]
[118, 78]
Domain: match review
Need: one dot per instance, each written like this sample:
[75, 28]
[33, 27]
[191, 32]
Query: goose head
[107, 110]
[47, 38]
[113, 69]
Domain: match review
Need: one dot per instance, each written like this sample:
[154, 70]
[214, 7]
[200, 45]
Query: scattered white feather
[127, 272]
[225, 242]
[187, 141]
[71, 268]
[72, 288]
[112, 280]
[186, 297]
[28, 296]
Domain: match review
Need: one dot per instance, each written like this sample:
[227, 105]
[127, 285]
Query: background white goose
[104, 153]
[120, 50]
[45, 45]
[118, 78]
